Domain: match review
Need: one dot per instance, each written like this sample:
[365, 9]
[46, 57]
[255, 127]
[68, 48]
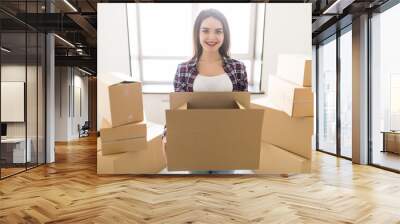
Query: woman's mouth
[211, 44]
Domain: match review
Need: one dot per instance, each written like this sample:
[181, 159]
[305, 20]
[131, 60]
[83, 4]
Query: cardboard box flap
[209, 100]
[205, 106]
[105, 123]
[183, 107]
[303, 95]
[307, 73]
[125, 82]
[239, 105]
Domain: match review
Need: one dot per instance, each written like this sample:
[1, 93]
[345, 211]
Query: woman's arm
[178, 87]
[243, 85]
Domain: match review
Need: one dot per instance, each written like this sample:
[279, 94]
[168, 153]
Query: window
[346, 93]
[327, 96]
[22, 74]
[385, 86]
[334, 118]
[394, 102]
[169, 33]
[161, 37]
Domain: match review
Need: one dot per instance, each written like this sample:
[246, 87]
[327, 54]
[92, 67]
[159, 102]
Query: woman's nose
[212, 36]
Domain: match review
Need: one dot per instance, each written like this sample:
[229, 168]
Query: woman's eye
[204, 31]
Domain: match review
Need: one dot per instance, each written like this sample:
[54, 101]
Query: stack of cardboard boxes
[128, 144]
[288, 118]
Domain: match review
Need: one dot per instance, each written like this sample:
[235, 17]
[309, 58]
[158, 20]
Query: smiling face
[211, 35]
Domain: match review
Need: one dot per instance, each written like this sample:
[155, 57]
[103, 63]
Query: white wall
[33, 126]
[112, 54]
[12, 101]
[287, 31]
[81, 103]
[66, 121]
[12, 73]
[112, 39]
[83, 83]
[61, 103]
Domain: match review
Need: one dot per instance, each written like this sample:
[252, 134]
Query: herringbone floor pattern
[69, 191]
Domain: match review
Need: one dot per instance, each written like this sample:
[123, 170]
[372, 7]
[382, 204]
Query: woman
[211, 69]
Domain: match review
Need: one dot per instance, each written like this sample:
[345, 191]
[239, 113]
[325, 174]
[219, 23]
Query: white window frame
[392, 113]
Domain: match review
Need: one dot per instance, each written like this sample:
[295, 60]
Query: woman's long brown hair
[198, 49]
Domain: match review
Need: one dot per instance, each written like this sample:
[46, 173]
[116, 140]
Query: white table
[19, 149]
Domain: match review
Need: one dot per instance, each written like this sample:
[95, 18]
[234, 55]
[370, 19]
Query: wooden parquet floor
[69, 191]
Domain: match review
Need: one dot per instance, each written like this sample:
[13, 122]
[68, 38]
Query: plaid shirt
[187, 72]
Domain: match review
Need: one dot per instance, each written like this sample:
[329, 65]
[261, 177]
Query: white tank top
[217, 83]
